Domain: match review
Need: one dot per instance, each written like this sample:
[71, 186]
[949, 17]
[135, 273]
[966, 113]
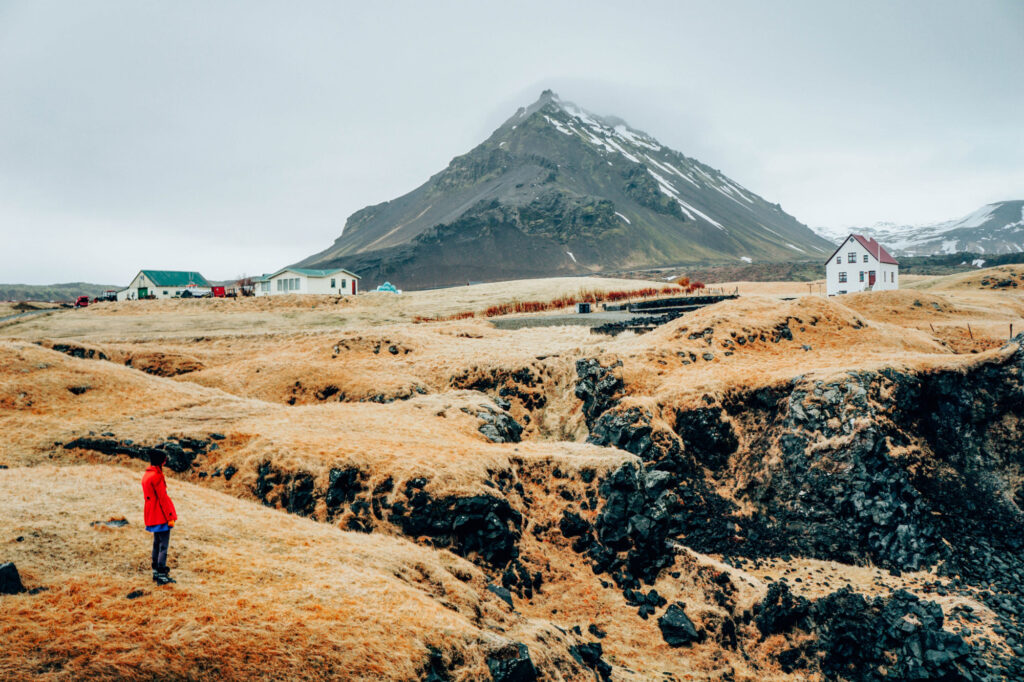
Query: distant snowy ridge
[993, 228]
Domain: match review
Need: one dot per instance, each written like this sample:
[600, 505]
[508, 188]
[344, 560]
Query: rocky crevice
[881, 467]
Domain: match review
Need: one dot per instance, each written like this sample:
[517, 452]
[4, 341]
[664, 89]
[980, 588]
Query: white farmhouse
[307, 281]
[861, 264]
[161, 284]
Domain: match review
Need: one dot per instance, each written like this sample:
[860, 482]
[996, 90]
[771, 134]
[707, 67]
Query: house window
[862, 275]
[865, 258]
[842, 276]
[344, 283]
[851, 257]
[165, 293]
[839, 260]
[332, 283]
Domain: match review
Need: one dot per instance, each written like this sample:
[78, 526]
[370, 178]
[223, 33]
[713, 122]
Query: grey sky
[237, 137]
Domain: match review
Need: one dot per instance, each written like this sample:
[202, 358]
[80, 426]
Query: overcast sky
[236, 138]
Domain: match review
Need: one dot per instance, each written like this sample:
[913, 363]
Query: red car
[81, 301]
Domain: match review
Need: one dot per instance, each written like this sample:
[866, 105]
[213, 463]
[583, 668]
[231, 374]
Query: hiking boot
[163, 578]
[156, 575]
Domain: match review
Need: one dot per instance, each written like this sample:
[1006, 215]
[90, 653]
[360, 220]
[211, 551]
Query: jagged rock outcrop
[180, 452]
[897, 637]
[905, 470]
[483, 525]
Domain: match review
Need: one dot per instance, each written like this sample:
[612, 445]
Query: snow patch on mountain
[992, 228]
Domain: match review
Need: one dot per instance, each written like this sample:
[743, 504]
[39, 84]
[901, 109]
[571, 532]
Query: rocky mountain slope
[53, 292]
[557, 190]
[992, 229]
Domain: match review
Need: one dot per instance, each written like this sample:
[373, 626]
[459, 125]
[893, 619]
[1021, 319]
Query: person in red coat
[159, 515]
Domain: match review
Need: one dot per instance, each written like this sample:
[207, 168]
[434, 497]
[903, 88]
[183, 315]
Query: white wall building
[861, 264]
[307, 281]
[161, 284]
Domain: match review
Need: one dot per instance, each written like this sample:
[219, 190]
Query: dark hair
[157, 457]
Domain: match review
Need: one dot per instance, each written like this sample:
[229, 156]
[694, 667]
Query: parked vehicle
[82, 302]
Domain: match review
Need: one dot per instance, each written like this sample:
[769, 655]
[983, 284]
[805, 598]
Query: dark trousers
[161, 540]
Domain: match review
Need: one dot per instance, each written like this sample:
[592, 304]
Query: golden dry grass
[161, 319]
[261, 594]
[267, 595]
[972, 279]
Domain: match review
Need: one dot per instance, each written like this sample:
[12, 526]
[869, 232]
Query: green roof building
[162, 284]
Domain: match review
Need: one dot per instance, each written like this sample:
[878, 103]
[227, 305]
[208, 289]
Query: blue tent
[388, 287]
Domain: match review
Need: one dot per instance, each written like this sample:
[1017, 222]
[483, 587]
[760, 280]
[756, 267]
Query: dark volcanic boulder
[485, 525]
[512, 663]
[780, 611]
[676, 628]
[502, 594]
[293, 492]
[10, 581]
[889, 638]
[598, 387]
[499, 427]
[631, 430]
[591, 655]
[707, 436]
[342, 487]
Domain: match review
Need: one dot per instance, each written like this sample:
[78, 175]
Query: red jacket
[159, 508]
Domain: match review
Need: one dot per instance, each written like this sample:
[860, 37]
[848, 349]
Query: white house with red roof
[861, 264]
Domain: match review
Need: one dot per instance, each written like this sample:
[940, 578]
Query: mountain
[559, 191]
[992, 229]
[53, 292]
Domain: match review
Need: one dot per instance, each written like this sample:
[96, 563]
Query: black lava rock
[780, 611]
[591, 655]
[10, 580]
[180, 455]
[573, 525]
[512, 663]
[499, 427]
[485, 525]
[294, 492]
[707, 435]
[502, 594]
[598, 387]
[676, 627]
[342, 487]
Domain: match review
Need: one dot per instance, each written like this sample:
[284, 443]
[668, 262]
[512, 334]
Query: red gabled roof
[873, 247]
